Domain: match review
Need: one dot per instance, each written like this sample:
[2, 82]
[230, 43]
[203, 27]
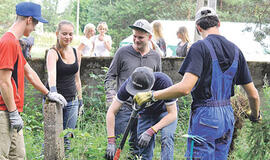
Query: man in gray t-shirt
[125, 61]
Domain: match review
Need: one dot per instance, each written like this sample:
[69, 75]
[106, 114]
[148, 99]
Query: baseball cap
[141, 80]
[142, 24]
[205, 12]
[30, 9]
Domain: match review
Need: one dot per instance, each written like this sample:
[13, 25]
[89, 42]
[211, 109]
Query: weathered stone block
[53, 126]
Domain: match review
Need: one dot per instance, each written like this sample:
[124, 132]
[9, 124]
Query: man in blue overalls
[211, 69]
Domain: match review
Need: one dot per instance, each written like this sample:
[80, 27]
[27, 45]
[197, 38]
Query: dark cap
[205, 12]
[30, 9]
[141, 80]
[142, 24]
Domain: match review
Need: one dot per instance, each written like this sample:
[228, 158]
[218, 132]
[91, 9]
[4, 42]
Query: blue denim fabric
[121, 121]
[214, 122]
[216, 125]
[70, 116]
[146, 121]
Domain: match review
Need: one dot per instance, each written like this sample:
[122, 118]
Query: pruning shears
[135, 110]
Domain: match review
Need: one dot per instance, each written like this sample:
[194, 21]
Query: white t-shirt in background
[88, 43]
[100, 50]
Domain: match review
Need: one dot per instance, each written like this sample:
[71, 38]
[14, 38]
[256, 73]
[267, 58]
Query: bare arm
[253, 97]
[51, 67]
[78, 79]
[110, 117]
[108, 45]
[34, 79]
[7, 89]
[179, 89]
[80, 48]
[168, 119]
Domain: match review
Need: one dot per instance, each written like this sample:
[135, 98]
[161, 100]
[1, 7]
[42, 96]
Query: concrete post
[53, 126]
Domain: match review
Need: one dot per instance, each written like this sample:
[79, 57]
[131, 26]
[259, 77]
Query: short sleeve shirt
[88, 43]
[11, 57]
[100, 49]
[162, 81]
[199, 62]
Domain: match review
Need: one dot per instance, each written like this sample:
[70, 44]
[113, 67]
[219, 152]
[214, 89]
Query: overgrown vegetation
[90, 140]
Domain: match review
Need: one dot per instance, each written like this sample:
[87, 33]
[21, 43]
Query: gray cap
[142, 24]
[141, 80]
[205, 12]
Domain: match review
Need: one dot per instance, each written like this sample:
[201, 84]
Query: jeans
[121, 121]
[216, 125]
[70, 116]
[167, 136]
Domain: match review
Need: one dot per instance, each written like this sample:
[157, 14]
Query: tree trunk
[212, 4]
[78, 15]
[200, 3]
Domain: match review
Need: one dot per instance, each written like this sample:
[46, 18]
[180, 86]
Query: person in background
[63, 66]
[212, 68]
[26, 45]
[184, 45]
[125, 61]
[102, 42]
[86, 45]
[157, 116]
[158, 37]
[13, 68]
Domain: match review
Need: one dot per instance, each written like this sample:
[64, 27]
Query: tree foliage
[119, 14]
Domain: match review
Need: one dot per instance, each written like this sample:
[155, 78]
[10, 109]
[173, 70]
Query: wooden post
[53, 126]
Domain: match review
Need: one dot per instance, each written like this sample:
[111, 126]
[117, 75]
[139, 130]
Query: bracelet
[153, 129]
[153, 98]
[111, 136]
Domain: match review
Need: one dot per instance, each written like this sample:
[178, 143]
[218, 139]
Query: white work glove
[15, 119]
[56, 97]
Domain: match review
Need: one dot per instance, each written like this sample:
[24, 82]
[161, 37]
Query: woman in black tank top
[63, 66]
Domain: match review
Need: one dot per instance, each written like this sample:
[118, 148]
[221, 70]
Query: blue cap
[30, 9]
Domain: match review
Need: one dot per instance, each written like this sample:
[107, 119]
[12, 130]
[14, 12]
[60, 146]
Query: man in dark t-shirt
[159, 115]
[211, 69]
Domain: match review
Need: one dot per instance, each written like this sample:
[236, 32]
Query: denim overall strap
[221, 81]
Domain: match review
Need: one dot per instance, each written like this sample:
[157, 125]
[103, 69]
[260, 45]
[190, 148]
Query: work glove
[252, 118]
[144, 97]
[81, 107]
[145, 138]
[16, 121]
[111, 148]
[56, 97]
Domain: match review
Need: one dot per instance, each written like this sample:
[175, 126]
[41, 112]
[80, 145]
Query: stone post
[53, 126]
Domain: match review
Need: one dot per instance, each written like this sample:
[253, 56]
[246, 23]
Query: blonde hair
[88, 26]
[184, 32]
[102, 24]
[157, 29]
[60, 24]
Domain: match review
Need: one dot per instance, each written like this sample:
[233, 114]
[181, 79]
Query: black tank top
[65, 77]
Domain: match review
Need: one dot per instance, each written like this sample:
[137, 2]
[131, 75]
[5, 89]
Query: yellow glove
[143, 97]
[252, 118]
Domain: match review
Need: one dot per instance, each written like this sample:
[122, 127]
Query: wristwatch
[153, 98]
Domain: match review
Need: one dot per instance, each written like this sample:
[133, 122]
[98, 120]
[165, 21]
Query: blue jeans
[167, 136]
[70, 116]
[121, 121]
[216, 125]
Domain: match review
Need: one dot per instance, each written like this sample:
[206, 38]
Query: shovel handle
[117, 154]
